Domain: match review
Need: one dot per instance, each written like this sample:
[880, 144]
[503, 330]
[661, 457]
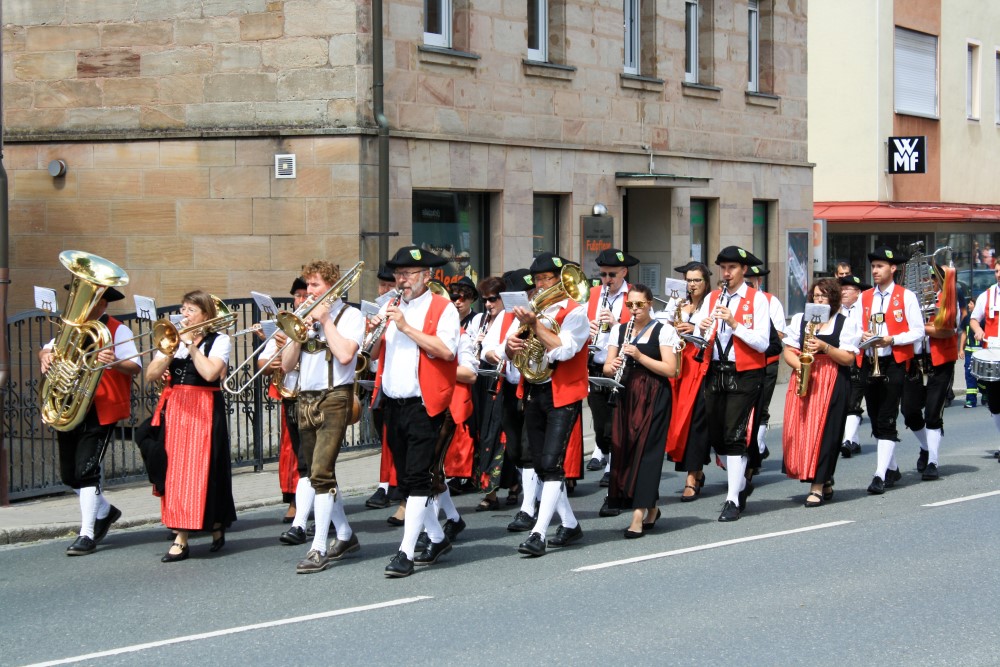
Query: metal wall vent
[284, 166]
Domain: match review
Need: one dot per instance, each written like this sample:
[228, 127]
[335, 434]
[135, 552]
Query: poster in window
[797, 281]
[598, 235]
[452, 225]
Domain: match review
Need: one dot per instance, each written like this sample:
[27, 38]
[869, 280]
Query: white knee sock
[933, 444]
[304, 494]
[886, 448]
[416, 510]
[996, 420]
[564, 510]
[550, 498]
[529, 480]
[851, 428]
[447, 505]
[88, 510]
[607, 467]
[921, 436]
[736, 468]
[323, 507]
[761, 431]
[384, 486]
[431, 524]
[598, 454]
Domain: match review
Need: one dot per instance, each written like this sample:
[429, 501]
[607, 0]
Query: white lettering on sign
[905, 157]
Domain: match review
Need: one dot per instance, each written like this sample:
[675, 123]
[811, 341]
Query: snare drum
[985, 365]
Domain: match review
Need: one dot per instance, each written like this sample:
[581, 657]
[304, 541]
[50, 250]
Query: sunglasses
[609, 274]
[491, 299]
[461, 297]
[636, 304]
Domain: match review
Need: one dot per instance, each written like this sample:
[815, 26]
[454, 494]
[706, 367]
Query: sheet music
[512, 300]
[369, 308]
[268, 308]
[145, 307]
[386, 298]
[268, 327]
[675, 287]
[816, 312]
[45, 299]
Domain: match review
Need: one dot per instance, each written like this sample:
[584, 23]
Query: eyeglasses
[407, 274]
[636, 304]
[491, 299]
[695, 280]
[608, 274]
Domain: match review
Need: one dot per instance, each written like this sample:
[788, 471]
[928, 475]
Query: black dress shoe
[453, 528]
[566, 535]
[399, 566]
[522, 522]
[649, 525]
[176, 558]
[891, 477]
[877, 487]
[533, 546]
[765, 454]
[845, 449]
[605, 480]
[632, 535]
[596, 464]
[220, 541]
[378, 500]
[82, 546]
[393, 521]
[341, 548]
[930, 473]
[744, 494]
[423, 541]
[293, 536]
[101, 526]
[430, 555]
[922, 460]
[608, 511]
[855, 448]
[730, 511]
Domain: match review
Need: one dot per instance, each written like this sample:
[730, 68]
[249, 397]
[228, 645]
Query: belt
[313, 346]
[412, 400]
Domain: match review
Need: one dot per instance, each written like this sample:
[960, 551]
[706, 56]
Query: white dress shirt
[402, 354]
[882, 303]
[757, 337]
[574, 333]
[616, 302]
[850, 333]
[314, 370]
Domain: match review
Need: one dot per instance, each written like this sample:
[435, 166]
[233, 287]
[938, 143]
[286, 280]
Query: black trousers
[82, 450]
[513, 427]
[600, 412]
[859, 380]
[549, 429]
[412, 436]
[991, 390]
[923, 405]
[730, 396]
[762, 413]
[882, 396]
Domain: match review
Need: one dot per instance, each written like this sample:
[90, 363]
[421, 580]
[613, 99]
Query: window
[996, 87]
[753, 46]
[760, 230]
[632, 24]
[437, 23]
[691, 12]
[545, 229]
[972, 81]
[538, 30]
[454, 225]
[915, 82]
[699, 230]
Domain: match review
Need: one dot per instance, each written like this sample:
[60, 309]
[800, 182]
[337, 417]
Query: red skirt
[188, 442]
[685, 391]
[805, 419]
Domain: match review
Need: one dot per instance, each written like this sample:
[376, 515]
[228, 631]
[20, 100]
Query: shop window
[760, 215]
[699, 230]
[454, 225]
[545, 226]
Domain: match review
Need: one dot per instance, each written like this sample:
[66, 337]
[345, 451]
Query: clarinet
[604, 328]
[484, 324]
[700, 356]
[620, 373]
[376, 334]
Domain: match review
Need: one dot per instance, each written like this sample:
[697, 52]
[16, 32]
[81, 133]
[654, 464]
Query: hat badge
[888, 253]
[743, 253]
[415, 254]
[620, 256]
[557, 262]
[528, 281]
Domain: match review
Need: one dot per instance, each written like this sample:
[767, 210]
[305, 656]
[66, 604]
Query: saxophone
[806, 360]
[620, 373]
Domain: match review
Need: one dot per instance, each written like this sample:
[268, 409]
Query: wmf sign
[907, 155]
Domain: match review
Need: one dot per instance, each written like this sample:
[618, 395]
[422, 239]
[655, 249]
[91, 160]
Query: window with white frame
[437, 23]
[691, 28]
[972, 88]
[538, 30]
[753, 46]
[632, 22]
[915, 80]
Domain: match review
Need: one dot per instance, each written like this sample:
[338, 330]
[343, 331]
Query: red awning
[873, 211]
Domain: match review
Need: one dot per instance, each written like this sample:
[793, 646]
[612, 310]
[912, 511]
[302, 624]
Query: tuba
[71, 381]
[531, 360]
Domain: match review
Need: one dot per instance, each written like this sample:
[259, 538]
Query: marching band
[495, 398]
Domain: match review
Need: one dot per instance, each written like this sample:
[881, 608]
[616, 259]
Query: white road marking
[962, 500]
[713, 545]
[232, 631]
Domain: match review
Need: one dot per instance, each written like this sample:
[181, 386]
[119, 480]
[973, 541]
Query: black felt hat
[853, 281]
[547, 262]
[757, 271]
[297, 284]
[110, 294]
[411, 255]
[466, 282]
[734, 253]
[518, 280]
[690, 266]
[884, 253]
[385, 273]
[615, 257]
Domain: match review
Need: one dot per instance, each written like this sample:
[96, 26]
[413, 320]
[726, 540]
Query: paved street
[862, 580]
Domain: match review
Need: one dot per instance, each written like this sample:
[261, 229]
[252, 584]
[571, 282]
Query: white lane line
[962, 500]
[232, 631]
[713, 545]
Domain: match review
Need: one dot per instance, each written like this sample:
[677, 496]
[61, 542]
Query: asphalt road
[861, 580]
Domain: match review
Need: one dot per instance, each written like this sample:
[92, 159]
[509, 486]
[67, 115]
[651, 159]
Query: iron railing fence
[254, 419]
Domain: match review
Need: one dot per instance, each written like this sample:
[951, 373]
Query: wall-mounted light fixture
[600, 209]
[57, 168]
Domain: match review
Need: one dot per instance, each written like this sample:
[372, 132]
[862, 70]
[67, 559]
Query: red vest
[569, 379]
[895, 320]
[747, 358]
[595, 302]
[113, 398]
[461, 400]
[991, 324]
[770, 360]
[436, 376]
[943, 350]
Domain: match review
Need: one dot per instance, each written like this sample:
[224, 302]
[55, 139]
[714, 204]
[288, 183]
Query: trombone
[293, 325]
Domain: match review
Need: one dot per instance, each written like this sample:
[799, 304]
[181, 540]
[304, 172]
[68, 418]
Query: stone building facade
[169, 115]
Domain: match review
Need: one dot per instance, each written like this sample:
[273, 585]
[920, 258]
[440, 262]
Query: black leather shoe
[219, 542]
[430, 555]
[341, 548]
[608, 511]
[730, 511]
[176, 558]
[845, 449]
[453, 528]
[566, 535]
[855, 448]
[766, 454]
[378, 500]
[744, 494]
[393, 521]
[399, 566]
[311, 529]
[891, 477]
[81, 546]
[533, 546]
[522, 522]
[423, 541]
[605, 480]
[293, 536]
[101, 526]
[930, 473]
[922, 460]
[877, 487]
[596, 464]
